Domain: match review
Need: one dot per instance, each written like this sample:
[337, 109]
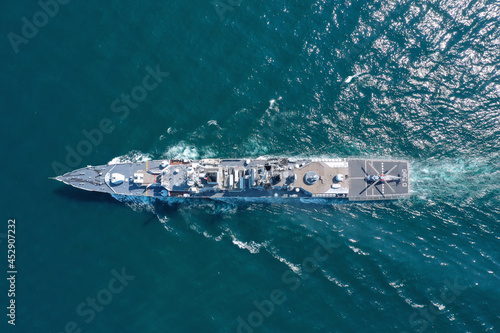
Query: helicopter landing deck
[383, 189]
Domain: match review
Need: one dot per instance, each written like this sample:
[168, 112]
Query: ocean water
[98, 82]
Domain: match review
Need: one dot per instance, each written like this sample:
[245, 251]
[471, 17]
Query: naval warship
[353, 179]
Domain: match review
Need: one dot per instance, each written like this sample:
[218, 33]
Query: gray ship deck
[327, 169]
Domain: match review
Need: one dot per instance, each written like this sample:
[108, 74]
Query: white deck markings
[383, 187]
[367, 192]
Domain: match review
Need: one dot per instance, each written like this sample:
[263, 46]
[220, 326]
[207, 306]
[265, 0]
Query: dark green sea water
[411, 79]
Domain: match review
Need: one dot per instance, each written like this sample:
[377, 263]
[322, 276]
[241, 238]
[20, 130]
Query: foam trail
[251, 246]
[295, 268]
[133, 156]
[138, 204]
[457, 178]
[349, 78]
[182, 151]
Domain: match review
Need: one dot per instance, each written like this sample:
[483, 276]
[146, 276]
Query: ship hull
[352, 179]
